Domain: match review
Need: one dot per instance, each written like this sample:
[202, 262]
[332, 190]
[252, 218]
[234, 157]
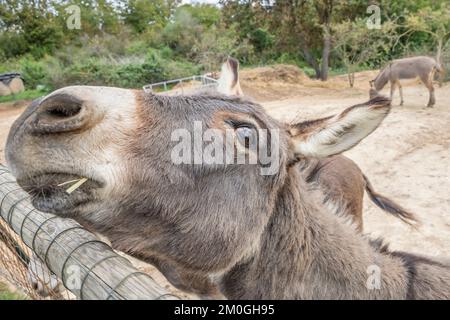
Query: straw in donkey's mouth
[75, 186]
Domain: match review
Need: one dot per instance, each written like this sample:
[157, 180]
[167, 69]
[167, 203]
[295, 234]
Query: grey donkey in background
[408, 68]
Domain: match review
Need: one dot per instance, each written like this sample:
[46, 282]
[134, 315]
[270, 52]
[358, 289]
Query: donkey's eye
[246, 135]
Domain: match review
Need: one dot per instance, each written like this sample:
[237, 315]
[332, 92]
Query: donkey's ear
[228, 83]
[333, 135]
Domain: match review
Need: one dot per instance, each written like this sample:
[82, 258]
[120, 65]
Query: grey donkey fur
[342, 179]
[408, 68]
[255, 237]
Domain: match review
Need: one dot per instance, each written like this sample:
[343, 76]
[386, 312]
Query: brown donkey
[407, 68]
[254, 235]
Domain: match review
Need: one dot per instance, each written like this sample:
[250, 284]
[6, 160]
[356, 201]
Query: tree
[306, 26]
[434, 22]
[28, 26]
[251, 20]
[296, 31]
[141, 14]
[324, 9]
[355, 44]
[196, 32]
[205, 14]
[182, 32]
[97, 17]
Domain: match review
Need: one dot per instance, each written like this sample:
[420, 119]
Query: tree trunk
[311, 61]
[439, 50]
[325, 53]
[351, 78]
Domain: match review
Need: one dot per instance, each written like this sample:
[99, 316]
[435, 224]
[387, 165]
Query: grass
[5, 294]
[25, 95]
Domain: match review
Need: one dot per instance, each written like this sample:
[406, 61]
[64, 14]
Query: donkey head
[373, 93]
[170, 175]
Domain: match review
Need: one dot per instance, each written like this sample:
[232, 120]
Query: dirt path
[8, 113]
[407, 159]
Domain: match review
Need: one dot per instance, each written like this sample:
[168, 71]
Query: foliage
[25, 95]
[5, 294]
[355, 46]
[143, 14]
[33, 72]
[28, 26]
[130, 43]
[434, 22]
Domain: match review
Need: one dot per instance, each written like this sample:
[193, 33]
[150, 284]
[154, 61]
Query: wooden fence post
[88, 267]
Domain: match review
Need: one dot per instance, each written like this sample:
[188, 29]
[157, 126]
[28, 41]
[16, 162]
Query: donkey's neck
[309, 253]
[382, 78]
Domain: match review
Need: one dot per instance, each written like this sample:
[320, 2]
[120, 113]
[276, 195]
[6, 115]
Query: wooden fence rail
[87, 267]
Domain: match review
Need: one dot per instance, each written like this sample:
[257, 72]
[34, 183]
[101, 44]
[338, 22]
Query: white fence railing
[182, 85]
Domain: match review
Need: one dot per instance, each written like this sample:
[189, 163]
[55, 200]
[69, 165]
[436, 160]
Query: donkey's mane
[199, 99]
[382, 70]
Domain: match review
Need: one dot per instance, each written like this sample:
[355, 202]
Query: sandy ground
[407, 158]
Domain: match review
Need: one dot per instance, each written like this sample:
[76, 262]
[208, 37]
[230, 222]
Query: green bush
[11, 45]
[25, 95]
[181, 69]
[33, 72]
[137, 47]
[262, 39]
[136, 75]
[132, 71]
[79, 66]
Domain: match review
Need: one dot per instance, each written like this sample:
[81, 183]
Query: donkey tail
[389, 205]
[441, 71]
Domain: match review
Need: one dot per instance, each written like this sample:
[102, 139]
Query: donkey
[407, 68]
[256, 236]
[342, 180]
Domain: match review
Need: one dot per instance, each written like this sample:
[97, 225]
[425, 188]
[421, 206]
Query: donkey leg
[400, 89]
[429, 84]
[432, 100]
[393, 84]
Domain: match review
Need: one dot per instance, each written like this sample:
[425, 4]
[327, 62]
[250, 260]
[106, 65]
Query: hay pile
[284, 81]
[286, 74]
[272, 82]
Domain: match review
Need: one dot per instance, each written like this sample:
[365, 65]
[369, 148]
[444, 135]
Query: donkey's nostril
[60, 111]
